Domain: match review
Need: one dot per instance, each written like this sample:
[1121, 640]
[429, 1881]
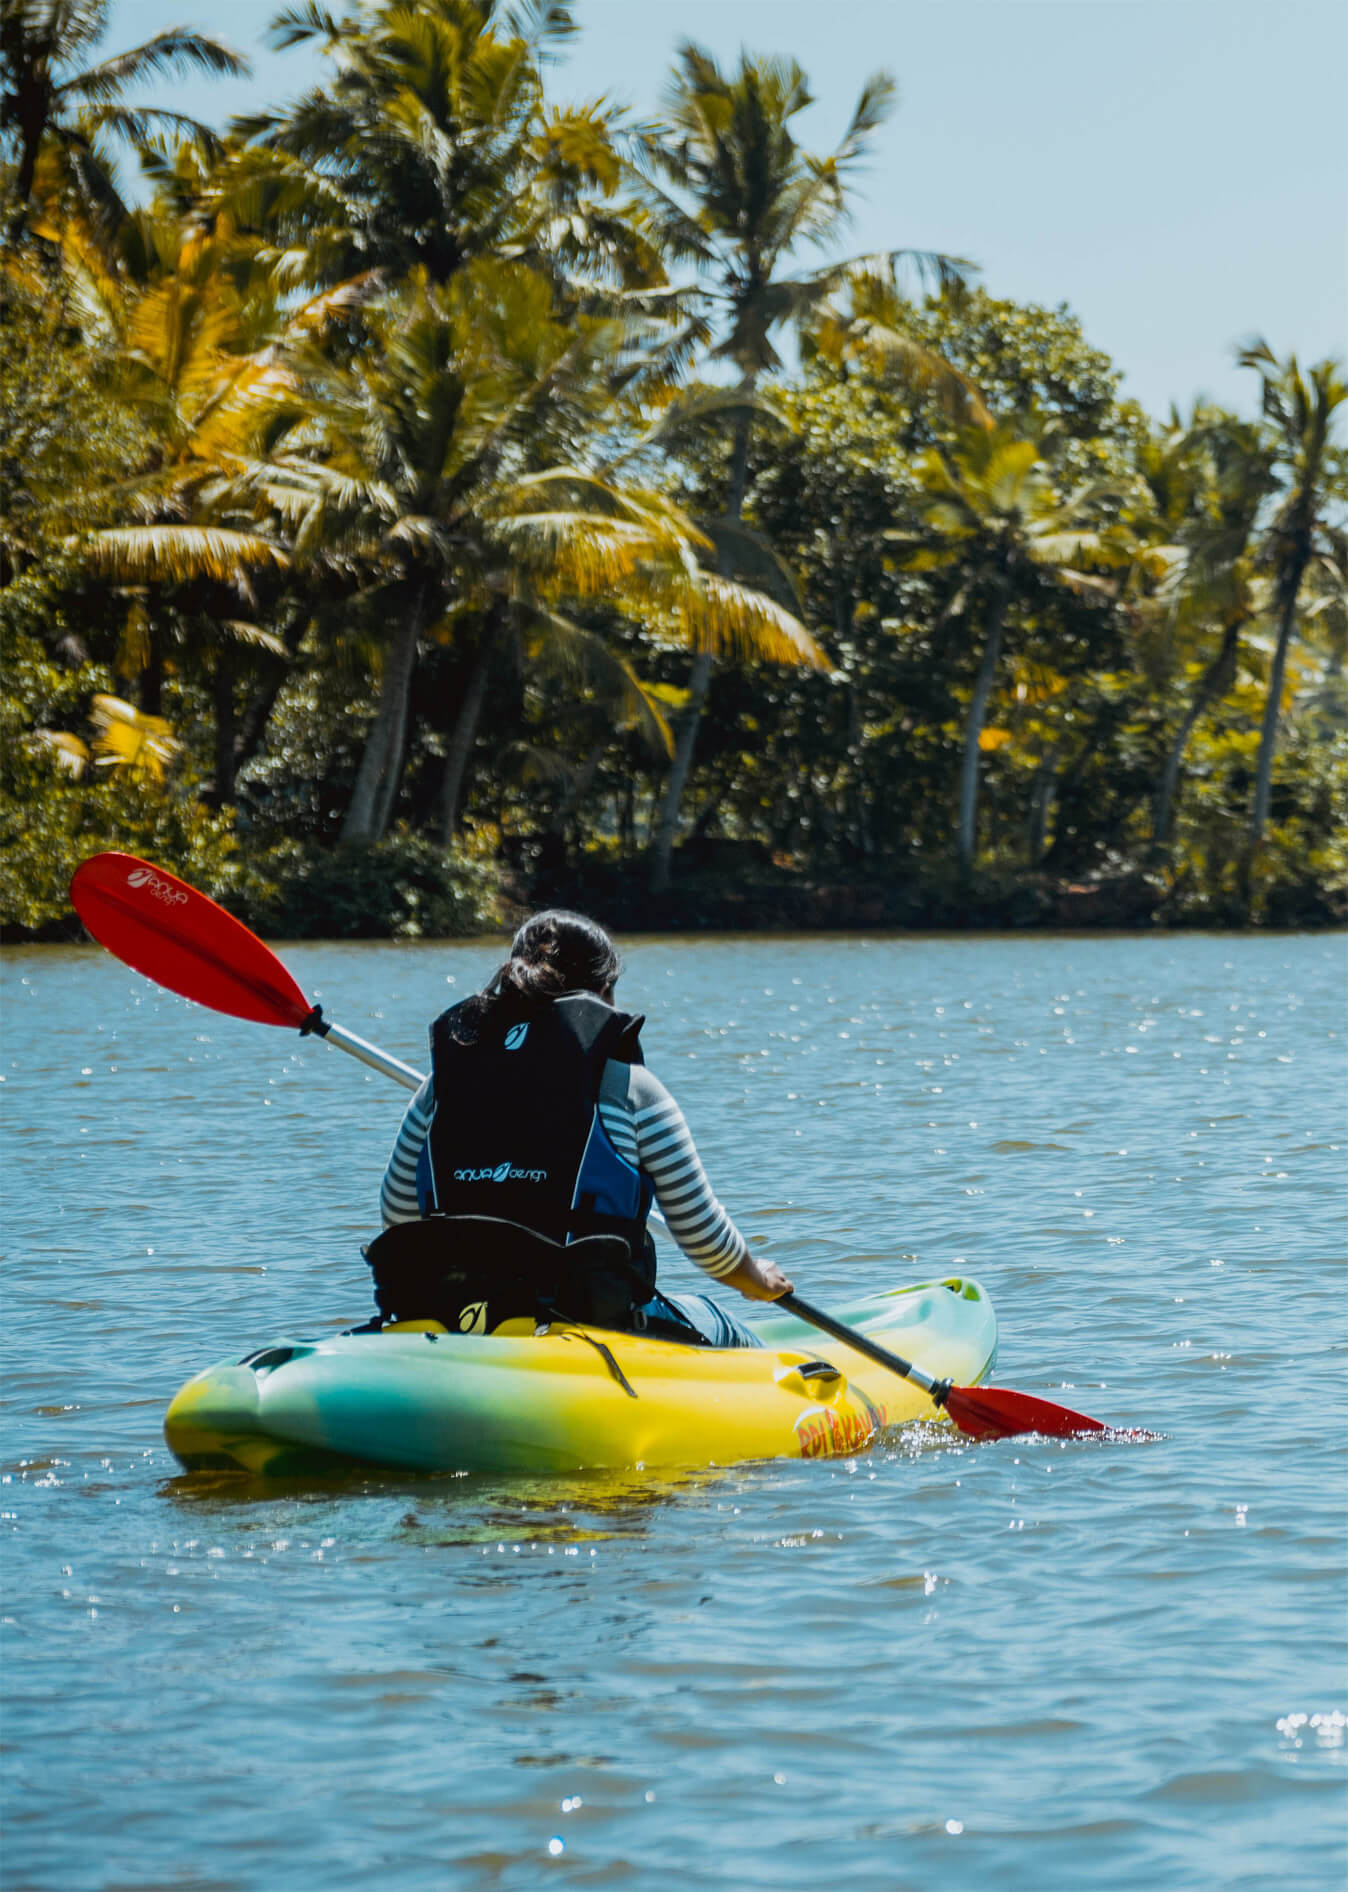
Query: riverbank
[344, 900]
[407, 887]
[710, 901]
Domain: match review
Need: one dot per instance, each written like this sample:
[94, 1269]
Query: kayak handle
[937, 1390]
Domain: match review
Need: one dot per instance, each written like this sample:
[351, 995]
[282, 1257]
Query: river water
[1018, 1665]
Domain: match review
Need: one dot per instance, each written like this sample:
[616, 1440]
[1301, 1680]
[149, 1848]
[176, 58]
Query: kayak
[568, 1398]
[533, 1399]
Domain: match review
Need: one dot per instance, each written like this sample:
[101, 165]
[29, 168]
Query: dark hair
[553, 952]
[556, 952]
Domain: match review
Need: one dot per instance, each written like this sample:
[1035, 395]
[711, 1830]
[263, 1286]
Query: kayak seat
[472, 1272]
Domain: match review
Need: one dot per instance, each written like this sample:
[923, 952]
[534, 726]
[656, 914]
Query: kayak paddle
[984, 1412]
[181, 939]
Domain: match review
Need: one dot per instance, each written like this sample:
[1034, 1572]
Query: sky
[1176, 171]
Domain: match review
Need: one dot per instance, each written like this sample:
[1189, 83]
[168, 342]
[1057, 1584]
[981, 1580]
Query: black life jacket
[516, 1133]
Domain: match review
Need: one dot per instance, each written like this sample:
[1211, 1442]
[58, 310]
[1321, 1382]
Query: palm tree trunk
[257, 710]
[33, 109]
[973, 729]
[256, 715]
[552, 851]
[1268, 734]
[862, 838]
[667, 827]
[464, 733]
[578, 787]
[1041, 801]
[662, 850]
[380, 770]
[150, 685]
[1289, 589]
[1215, 681]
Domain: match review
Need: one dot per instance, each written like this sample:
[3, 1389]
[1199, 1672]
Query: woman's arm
[646, 1126]
[758, 1279]
[398, 1198]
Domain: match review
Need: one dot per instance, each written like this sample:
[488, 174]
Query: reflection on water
[458, 1508]
[1030, 1664]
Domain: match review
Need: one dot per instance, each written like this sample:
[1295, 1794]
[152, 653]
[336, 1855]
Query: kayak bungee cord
[181, 939]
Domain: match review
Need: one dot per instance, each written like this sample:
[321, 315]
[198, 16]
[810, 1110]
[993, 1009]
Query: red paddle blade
[176, 936]
[993, 1412]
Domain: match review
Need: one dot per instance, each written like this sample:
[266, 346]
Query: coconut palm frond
[707, 407]
[563, 649]
[67, 752]
[239, 631]
[144, 126]
[576, 554]
[916, 365]
[127, 737]
[748, 555]
[732, 621]
[143, 553]
[529, 764]
[1050, 547]
[421, 534]
[597, 497]
[1080, 581]
[295, 24]
[177, 48]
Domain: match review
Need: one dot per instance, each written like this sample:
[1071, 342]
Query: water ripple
[1038, 1665]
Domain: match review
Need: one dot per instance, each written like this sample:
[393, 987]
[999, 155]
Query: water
[1022, 1665]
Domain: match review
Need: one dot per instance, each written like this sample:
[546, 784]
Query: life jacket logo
[515, 1037]
[473, 1318]
[160, 890]
[502, 1172]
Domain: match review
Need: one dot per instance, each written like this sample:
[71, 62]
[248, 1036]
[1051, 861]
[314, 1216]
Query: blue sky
[1175, 170]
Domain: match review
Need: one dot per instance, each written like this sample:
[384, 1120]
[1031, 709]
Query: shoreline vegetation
[443, 498]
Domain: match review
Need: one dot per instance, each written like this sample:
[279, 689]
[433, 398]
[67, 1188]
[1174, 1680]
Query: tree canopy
[411, 513]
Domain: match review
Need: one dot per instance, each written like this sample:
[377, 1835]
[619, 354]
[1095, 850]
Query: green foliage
[403, 887]
[1301, 876]
[374, 455]
[59, 108]
[51, 820]
[63, 442]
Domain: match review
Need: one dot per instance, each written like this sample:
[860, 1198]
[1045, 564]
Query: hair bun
[556, 952]
[536, 978]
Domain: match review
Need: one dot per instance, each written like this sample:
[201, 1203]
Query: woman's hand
[758, 1280]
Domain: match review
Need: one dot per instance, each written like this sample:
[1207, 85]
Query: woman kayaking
[543, 1135]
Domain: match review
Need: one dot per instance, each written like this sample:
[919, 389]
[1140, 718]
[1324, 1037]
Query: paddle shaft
[367, 1053]
[936, 1389]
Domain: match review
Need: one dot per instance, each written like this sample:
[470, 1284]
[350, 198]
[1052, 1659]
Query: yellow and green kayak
[572, 1398]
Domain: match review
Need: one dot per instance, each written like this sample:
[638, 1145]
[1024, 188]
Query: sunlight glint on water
[1026, 1665]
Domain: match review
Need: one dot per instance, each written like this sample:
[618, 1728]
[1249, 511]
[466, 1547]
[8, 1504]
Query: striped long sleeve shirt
[645, 1126]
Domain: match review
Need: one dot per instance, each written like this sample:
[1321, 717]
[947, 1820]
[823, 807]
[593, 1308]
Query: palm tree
[430, 156]
[1299, 416]
[52, 104]
[183, 341]
[1212, 477]
[430, 145]
[993, 516]
[413, 462]
[754, 197]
